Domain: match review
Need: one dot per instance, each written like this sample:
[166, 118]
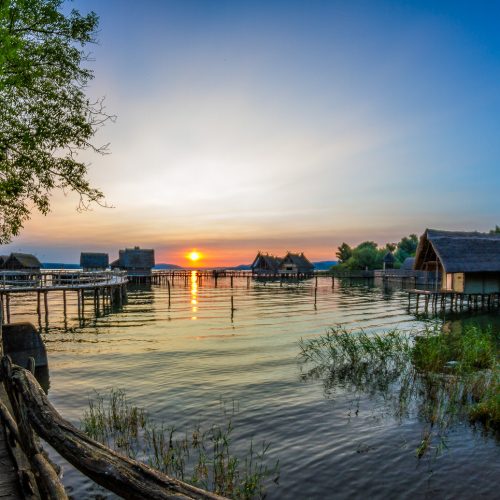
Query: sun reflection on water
[194, 294]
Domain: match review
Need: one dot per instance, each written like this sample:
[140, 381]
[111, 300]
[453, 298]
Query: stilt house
[265, 263]
[93, 261]
[388, 260]
[136, 261]
[296, 263]
[468, 262]
[22, 262]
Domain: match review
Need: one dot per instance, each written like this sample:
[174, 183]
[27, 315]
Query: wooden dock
[104, 287]
[443, 300]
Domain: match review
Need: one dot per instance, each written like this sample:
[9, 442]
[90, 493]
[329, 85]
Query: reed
[202, 457]
[446, 378]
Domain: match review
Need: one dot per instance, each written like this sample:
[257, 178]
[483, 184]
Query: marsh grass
[445, 378]
[202, 457]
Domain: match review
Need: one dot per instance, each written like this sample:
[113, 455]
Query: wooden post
[7, 306]
[64, 303]
[46, 304]
[231, 281]
[168, 286]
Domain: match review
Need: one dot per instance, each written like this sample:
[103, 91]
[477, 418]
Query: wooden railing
[34, 417]
[47, 280]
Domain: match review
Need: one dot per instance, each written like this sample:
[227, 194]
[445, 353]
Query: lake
[187, 362]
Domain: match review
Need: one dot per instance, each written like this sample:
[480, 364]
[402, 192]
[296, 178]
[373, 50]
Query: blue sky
[286, 125]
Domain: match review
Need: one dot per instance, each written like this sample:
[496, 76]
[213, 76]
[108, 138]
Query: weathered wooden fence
[33, 417]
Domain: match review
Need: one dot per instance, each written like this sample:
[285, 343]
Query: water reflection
[194, 295]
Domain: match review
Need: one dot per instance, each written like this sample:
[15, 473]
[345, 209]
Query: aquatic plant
[202, 457]
[448, 377]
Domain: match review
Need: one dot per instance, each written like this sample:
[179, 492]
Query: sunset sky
[285, 125]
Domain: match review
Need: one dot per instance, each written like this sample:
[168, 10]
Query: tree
[406, 247]
[344, 253]
[496, 230]
[46, 119]
[366, 255]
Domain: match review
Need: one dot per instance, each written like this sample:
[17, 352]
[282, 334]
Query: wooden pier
[105, 288]
[442, 300]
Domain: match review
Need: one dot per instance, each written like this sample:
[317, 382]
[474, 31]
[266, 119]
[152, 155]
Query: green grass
[447, 377]
[202, 457]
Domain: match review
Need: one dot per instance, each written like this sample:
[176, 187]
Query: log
[121, 475]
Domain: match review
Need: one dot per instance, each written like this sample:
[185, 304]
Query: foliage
[469, 350]
[406, 247]
[444, 378]
[201, 457]
[365, 256]
[496, 230]
[46, 119]
[368, 255]
[344, 253]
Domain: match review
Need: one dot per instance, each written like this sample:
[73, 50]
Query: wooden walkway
[453, 301]
[106, 287]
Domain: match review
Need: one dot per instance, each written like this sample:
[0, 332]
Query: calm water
[181, 362]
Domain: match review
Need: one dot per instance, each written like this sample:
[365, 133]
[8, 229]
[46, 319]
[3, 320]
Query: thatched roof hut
[388, 260]
[94, 261]
[136, 261]
[296, 263]
[22, 262]
[408, 263]
[265, 263]
[3, 260]
[469, 261]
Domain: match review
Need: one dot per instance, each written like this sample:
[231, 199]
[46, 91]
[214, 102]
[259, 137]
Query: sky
[285, 125]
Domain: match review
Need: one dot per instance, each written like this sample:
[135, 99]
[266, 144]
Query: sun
[194, 256]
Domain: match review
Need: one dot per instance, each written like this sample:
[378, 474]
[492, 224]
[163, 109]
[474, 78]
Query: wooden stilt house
[388, 261]
[94, 261]
[266, 264]
[22, 262]
[468, 262]
[138, 262]
[296, 263]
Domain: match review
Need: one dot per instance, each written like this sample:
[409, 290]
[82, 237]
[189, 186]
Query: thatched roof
[94, 260]
[389, 258]
[266, 261]
[3, 260]
[137, 258]
[460, 251]
[22, 261]
[299, 259]
[408, 263]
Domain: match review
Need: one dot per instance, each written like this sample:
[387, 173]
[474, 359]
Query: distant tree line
[368, 255]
